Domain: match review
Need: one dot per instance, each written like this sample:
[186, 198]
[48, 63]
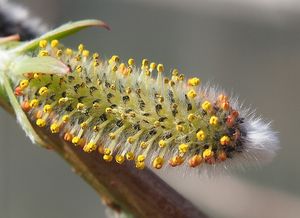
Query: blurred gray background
[250, 48]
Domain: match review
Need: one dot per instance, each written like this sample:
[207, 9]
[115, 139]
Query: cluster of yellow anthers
[120, 109]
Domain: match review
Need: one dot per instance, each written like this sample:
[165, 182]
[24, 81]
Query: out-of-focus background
[250, 47]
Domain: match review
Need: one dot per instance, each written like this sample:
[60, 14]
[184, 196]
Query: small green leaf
[46, 64]
[60, 32]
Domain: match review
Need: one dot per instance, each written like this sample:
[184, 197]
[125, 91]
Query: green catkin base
[123, 112]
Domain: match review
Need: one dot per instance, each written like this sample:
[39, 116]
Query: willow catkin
[133, 113]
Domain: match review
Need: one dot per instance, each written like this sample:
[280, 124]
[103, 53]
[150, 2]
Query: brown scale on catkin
[123, 112]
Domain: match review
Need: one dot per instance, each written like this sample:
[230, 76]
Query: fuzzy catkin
[133, 113]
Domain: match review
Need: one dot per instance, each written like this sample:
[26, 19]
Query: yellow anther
[41, 122]
[140, 165]
[158, 162]
[175, 78]
[162, 143]
[128, 90]
[113, 86]
[145, 63]
[80, 47]
[96, 105]
[89, 147]
[123, 116]
[114, 69]
[181, 77]
[225, 140]
[119, 159]
[34, 103]
[43, 43]
[128, 71]
[47, 108]
[36, 75]
[79, 69]
[166, 80]
[59, 53]
[24, 84]
[130, 140]
[54, 128]
[62, 101]
[191, 117]
[194, 81]
[122, 68]
[83, 125]
[85, 53]
[54, 43]
[192, 94]
[96, 56]
[195, 160]
[183, 148]
[208, 153]
[43, 91]
[39, 114]
[25, 106]
[222, 97]
[176, 161]
[222, 156]
[66, 118]
[157, 124]
[147, 72]
[80, 106]
[107, 157]
[141, 158]
[225, 105]
[206, 105]
[101, 149]
[175, 72]
[75, 140]
[68, 137]
[161, 99]
[200, 135]
[131, 62]
[144, 145]
[68, 51]
[153, 66]
[129, 155]
[180, 128]
[160, 68]
[114, 59]
[112, 135]
[96, 128]
[43, 53]
[214, 120]
[107, 151]
[108, 110]
[77, 58]
[96, 63]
